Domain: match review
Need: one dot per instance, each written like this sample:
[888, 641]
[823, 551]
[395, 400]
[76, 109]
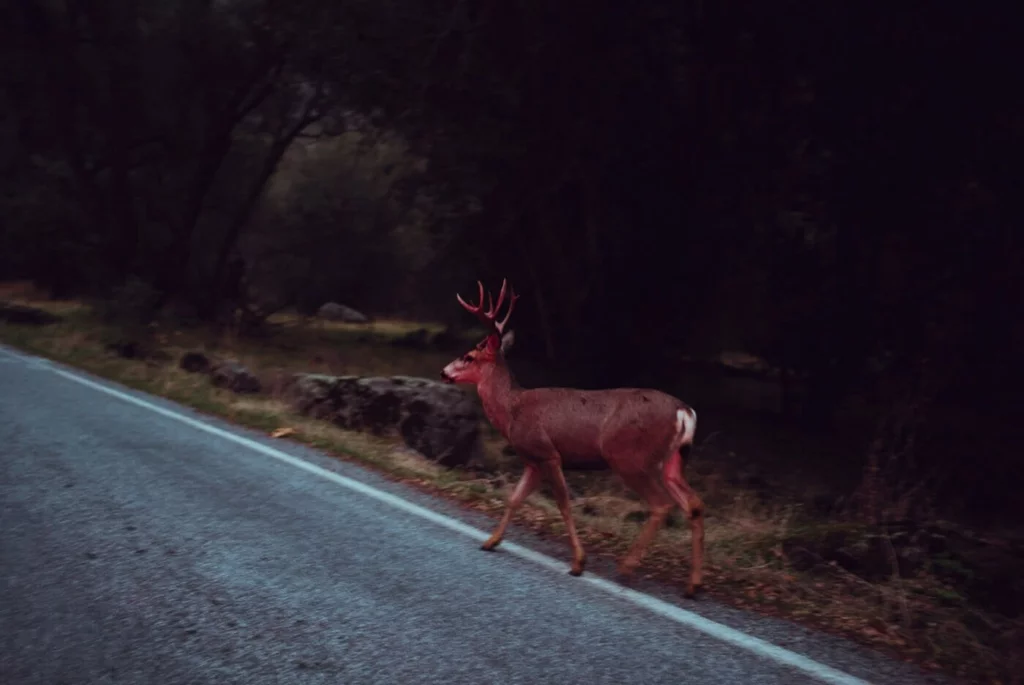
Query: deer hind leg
[526, 485]
[659, 505]
[560, 489]
[684, 495]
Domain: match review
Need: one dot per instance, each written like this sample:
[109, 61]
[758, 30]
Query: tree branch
[311, 111]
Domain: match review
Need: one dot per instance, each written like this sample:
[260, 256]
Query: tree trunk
[248, 205]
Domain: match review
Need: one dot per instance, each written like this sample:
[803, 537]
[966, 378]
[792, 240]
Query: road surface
[143, 543]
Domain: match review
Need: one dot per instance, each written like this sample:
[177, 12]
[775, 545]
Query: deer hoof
[576, 572]
[490, 545]
[692, 589]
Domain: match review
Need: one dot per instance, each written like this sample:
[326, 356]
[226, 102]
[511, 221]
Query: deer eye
[468, 357]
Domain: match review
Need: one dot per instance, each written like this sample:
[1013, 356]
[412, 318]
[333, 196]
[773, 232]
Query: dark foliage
[830, 186]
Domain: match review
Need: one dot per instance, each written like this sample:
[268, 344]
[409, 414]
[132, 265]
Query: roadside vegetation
[937, 594]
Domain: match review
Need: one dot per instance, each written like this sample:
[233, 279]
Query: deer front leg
[560, 489]
[527, 484]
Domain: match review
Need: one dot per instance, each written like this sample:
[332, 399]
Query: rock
[440, 421]
[138, 349]
[235, 377]
[332, 311]
[868, 557]
[639, 516]
[29, 316]
[127, 349]
[194, 362]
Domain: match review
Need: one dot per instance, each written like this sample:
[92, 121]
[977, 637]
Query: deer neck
[495, 391]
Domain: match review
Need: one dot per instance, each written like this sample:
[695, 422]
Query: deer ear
[507, 341]
[491, 343]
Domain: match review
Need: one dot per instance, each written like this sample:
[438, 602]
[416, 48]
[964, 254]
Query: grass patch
[928, 617]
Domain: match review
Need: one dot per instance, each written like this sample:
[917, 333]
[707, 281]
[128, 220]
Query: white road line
[21, 360]
[665, 609]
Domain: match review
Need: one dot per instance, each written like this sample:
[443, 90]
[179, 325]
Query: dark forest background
[831, 187]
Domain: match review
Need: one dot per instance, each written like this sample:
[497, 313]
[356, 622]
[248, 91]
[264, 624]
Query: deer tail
[686, 426]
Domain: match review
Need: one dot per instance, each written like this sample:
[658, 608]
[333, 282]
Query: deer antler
[489, 317]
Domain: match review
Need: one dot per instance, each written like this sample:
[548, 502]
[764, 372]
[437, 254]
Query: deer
[643, 435]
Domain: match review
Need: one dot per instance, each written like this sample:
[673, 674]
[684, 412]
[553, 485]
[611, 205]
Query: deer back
[583, 426]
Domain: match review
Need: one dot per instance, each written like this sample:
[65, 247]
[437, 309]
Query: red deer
[642, 435]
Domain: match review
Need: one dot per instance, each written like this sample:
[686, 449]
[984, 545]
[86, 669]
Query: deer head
[476, 364]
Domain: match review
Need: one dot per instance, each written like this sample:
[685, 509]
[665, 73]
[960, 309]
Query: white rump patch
[686, 423]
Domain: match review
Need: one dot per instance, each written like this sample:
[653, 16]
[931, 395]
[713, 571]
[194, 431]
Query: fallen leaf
[282, 432]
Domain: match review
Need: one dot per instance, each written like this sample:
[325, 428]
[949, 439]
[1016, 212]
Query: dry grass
[922, 619]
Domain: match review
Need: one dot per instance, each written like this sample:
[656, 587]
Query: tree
[137, 110]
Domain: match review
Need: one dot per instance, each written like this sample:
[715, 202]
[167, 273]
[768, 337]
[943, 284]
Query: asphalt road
[136, 547]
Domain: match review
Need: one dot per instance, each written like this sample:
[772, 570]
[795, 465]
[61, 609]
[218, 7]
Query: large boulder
[439, 421]
[332, 311]
[194, 362]
[234, 376]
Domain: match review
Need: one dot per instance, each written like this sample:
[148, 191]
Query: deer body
[585, 426]
[641, 434]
